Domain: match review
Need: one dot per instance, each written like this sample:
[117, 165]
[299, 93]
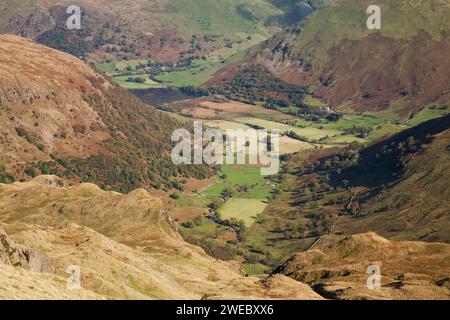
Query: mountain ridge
[125, 246]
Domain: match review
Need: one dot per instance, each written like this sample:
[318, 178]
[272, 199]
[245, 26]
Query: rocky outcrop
[30, 259]
[339, 269]
[10, 253]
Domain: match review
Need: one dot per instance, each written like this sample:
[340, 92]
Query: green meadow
[242, 209]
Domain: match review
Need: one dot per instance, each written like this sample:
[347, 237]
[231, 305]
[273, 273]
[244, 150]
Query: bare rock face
[10, 253]
[16, 256]
[39, 262]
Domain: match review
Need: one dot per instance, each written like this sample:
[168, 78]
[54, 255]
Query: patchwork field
[287, 145]
[309, 132]
[202, 69]
[348, 121]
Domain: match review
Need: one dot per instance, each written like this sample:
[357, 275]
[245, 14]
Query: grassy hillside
[221, 17]
[351, 67]
[346, 20]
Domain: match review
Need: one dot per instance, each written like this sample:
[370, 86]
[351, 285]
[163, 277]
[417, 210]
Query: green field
[311, 133]
[348, 121]
[108, 68]
[190, 201]
[313, 102]
[427, 114]
[201, 71]
[112, 68]
[242, 209]
[384, 131]
[238, 175]
[122, 81]
[242, 205]
[255, 269]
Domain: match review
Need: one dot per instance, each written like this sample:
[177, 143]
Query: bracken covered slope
[57, 115]
[125, 245]
[160, 29]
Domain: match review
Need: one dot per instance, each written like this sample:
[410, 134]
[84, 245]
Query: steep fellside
[125, 245]
[368, 70]
[142, 29]
[59, 116]
[402, 185]
[409, 270]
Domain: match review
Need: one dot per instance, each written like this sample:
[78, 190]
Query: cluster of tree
[296, 136]
[137, 80]
[63, 39]
[153, 69]
[343, 160]
[194, 91]
[226, 194]
[378, 164]
[360, 132]
[256, 84]
[440, 107]
[4, 176]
